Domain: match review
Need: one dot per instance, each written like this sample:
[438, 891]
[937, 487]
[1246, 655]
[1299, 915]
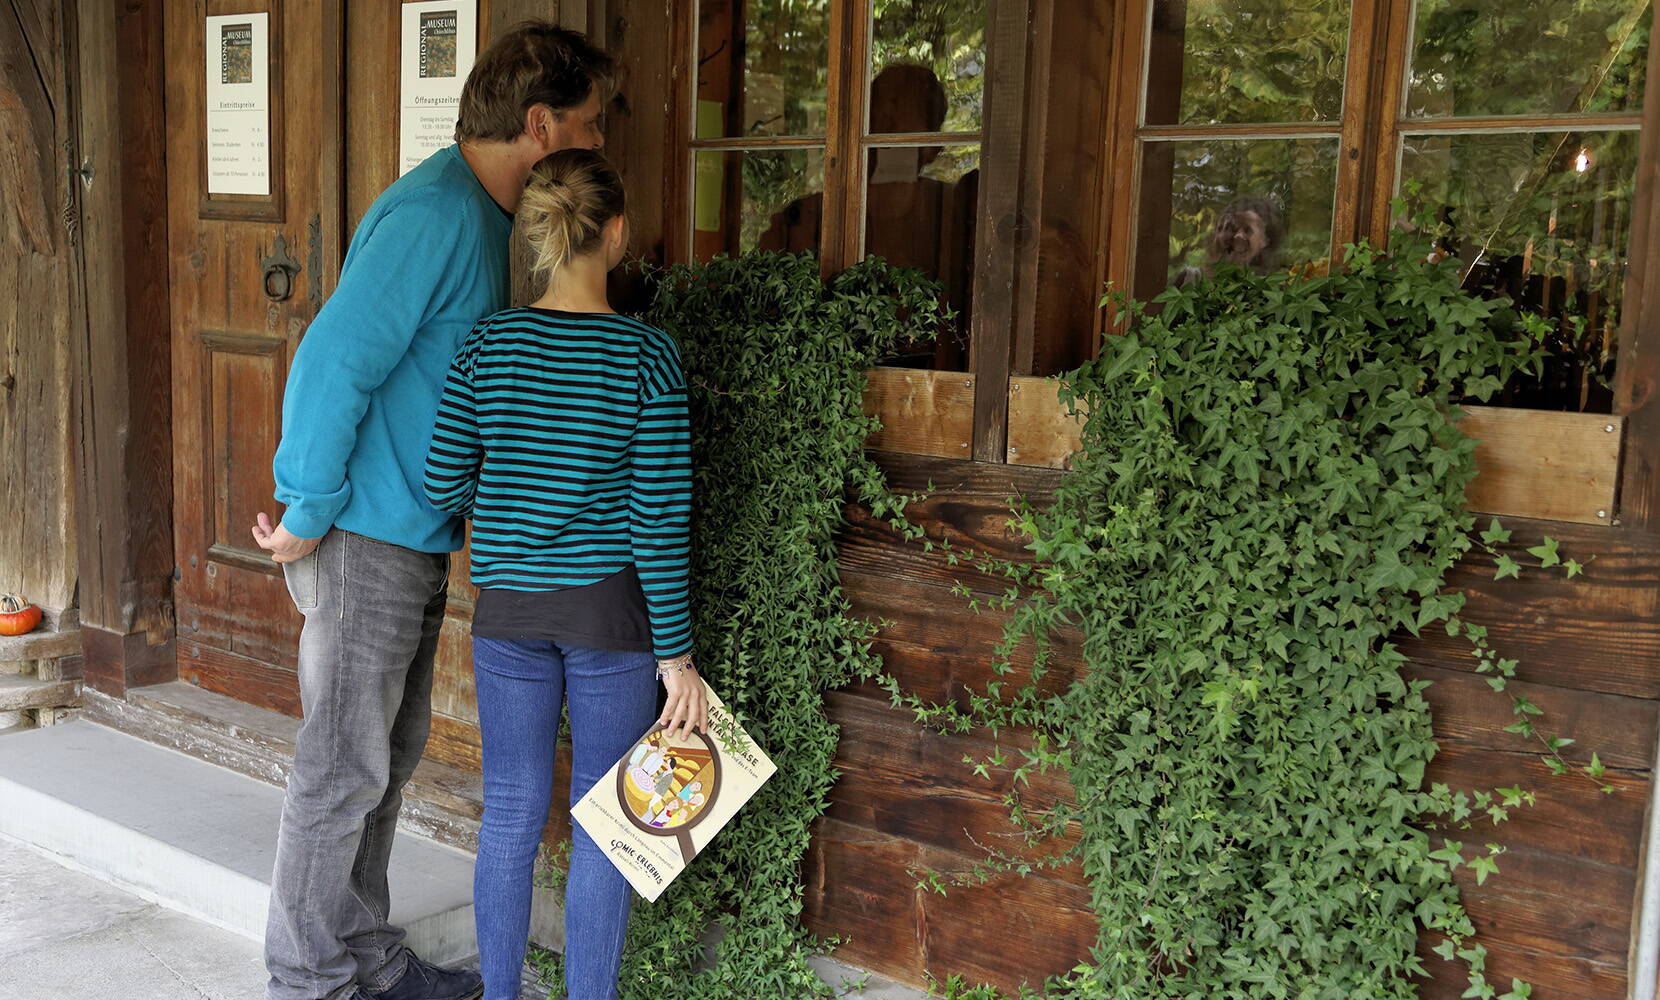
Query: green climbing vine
[1270, 487]
[775, 359]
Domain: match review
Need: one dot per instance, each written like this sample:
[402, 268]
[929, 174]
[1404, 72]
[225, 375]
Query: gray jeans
[372, 615]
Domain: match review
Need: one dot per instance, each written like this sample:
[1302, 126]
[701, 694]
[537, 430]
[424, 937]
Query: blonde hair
[571, 195]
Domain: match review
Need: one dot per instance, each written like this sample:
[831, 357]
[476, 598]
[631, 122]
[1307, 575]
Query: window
[1258, 142]
[844, 127]
[1527, 154]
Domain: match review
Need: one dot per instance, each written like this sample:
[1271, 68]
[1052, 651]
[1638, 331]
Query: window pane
[928, 66]
[763, 67]
[919, 212]
[1546, 220]
[1232, 61]
[1263, 204]
[1501, 57]
[769, 199]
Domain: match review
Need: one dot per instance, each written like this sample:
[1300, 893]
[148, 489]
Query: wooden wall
[37, 513]
[1559, 914]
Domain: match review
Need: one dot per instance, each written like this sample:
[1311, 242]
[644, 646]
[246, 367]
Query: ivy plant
[1270, 487]
[775, 360]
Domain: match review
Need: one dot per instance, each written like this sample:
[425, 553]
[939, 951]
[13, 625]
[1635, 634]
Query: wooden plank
[861, 885]
[1543, 464]
[884, 756]
[937, 647]
[1469, 714]
[1041, 431]
[965, 503]
[1598, 632]
[1532, 463]
[1571, 816]
[1566, 944]
[922, 412]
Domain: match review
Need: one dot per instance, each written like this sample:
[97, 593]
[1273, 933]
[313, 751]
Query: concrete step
[21, 692]
[196, 837]
[441, 802]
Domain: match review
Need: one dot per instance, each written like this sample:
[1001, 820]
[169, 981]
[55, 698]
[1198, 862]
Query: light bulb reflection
[1582, 162]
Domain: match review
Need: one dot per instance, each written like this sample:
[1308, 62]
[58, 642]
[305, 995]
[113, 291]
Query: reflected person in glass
[1248, 234]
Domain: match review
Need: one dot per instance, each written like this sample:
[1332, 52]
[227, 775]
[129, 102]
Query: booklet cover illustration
[665, 800]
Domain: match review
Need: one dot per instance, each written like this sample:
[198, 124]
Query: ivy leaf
[1546, 553]
[1507, 567]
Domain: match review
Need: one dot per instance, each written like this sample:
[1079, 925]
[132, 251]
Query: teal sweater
[565, 436]
[429, 259]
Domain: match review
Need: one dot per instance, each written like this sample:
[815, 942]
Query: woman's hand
[687, 707]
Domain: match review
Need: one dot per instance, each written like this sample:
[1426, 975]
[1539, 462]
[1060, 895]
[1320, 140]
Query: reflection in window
[1231, 61]
[1501, 57]
[1544, 219]
[946, 39]
[919, 212]
[763, 67]
[1263, 204]
[766, 199]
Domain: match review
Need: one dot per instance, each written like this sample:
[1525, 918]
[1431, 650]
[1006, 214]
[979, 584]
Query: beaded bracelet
[678, 665]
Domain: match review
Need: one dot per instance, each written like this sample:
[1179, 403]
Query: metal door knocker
[278, 269]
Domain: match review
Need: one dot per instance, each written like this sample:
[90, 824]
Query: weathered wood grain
[37, 256]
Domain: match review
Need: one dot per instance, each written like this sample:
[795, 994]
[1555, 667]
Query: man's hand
[283, 546]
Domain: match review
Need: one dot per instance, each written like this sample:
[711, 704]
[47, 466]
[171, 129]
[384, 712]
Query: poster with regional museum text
[440, 40]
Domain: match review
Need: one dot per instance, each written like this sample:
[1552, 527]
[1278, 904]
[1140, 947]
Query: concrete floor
[68, 936]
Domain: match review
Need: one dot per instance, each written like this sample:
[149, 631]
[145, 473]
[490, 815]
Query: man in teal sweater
[365, 556]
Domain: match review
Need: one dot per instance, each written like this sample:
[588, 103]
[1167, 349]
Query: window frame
[848, 142]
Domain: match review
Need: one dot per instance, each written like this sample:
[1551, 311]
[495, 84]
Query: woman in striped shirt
[563, 434]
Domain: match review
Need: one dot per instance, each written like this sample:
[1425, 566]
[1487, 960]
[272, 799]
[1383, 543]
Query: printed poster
[667, 798]
[440, 40]
[238, 104]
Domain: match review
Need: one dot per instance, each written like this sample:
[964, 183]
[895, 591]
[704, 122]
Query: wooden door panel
[243, 379]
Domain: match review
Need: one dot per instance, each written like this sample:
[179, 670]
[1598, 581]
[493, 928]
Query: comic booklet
[668, 797]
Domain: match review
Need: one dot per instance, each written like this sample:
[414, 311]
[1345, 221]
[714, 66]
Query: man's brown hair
[533, 63]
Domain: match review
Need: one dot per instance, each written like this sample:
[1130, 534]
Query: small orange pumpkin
[17, 615]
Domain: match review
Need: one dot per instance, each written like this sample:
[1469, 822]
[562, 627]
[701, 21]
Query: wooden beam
[123, 348]
[1003, 228]
[1637, 374]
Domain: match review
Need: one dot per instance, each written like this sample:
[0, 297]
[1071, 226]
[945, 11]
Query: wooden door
[334, 134]
[248, 272]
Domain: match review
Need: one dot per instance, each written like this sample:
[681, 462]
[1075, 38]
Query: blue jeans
[522, 684]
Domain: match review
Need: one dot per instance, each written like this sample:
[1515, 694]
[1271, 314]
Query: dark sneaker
[425, 981]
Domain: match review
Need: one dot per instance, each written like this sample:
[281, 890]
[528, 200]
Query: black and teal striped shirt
[564, 436]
